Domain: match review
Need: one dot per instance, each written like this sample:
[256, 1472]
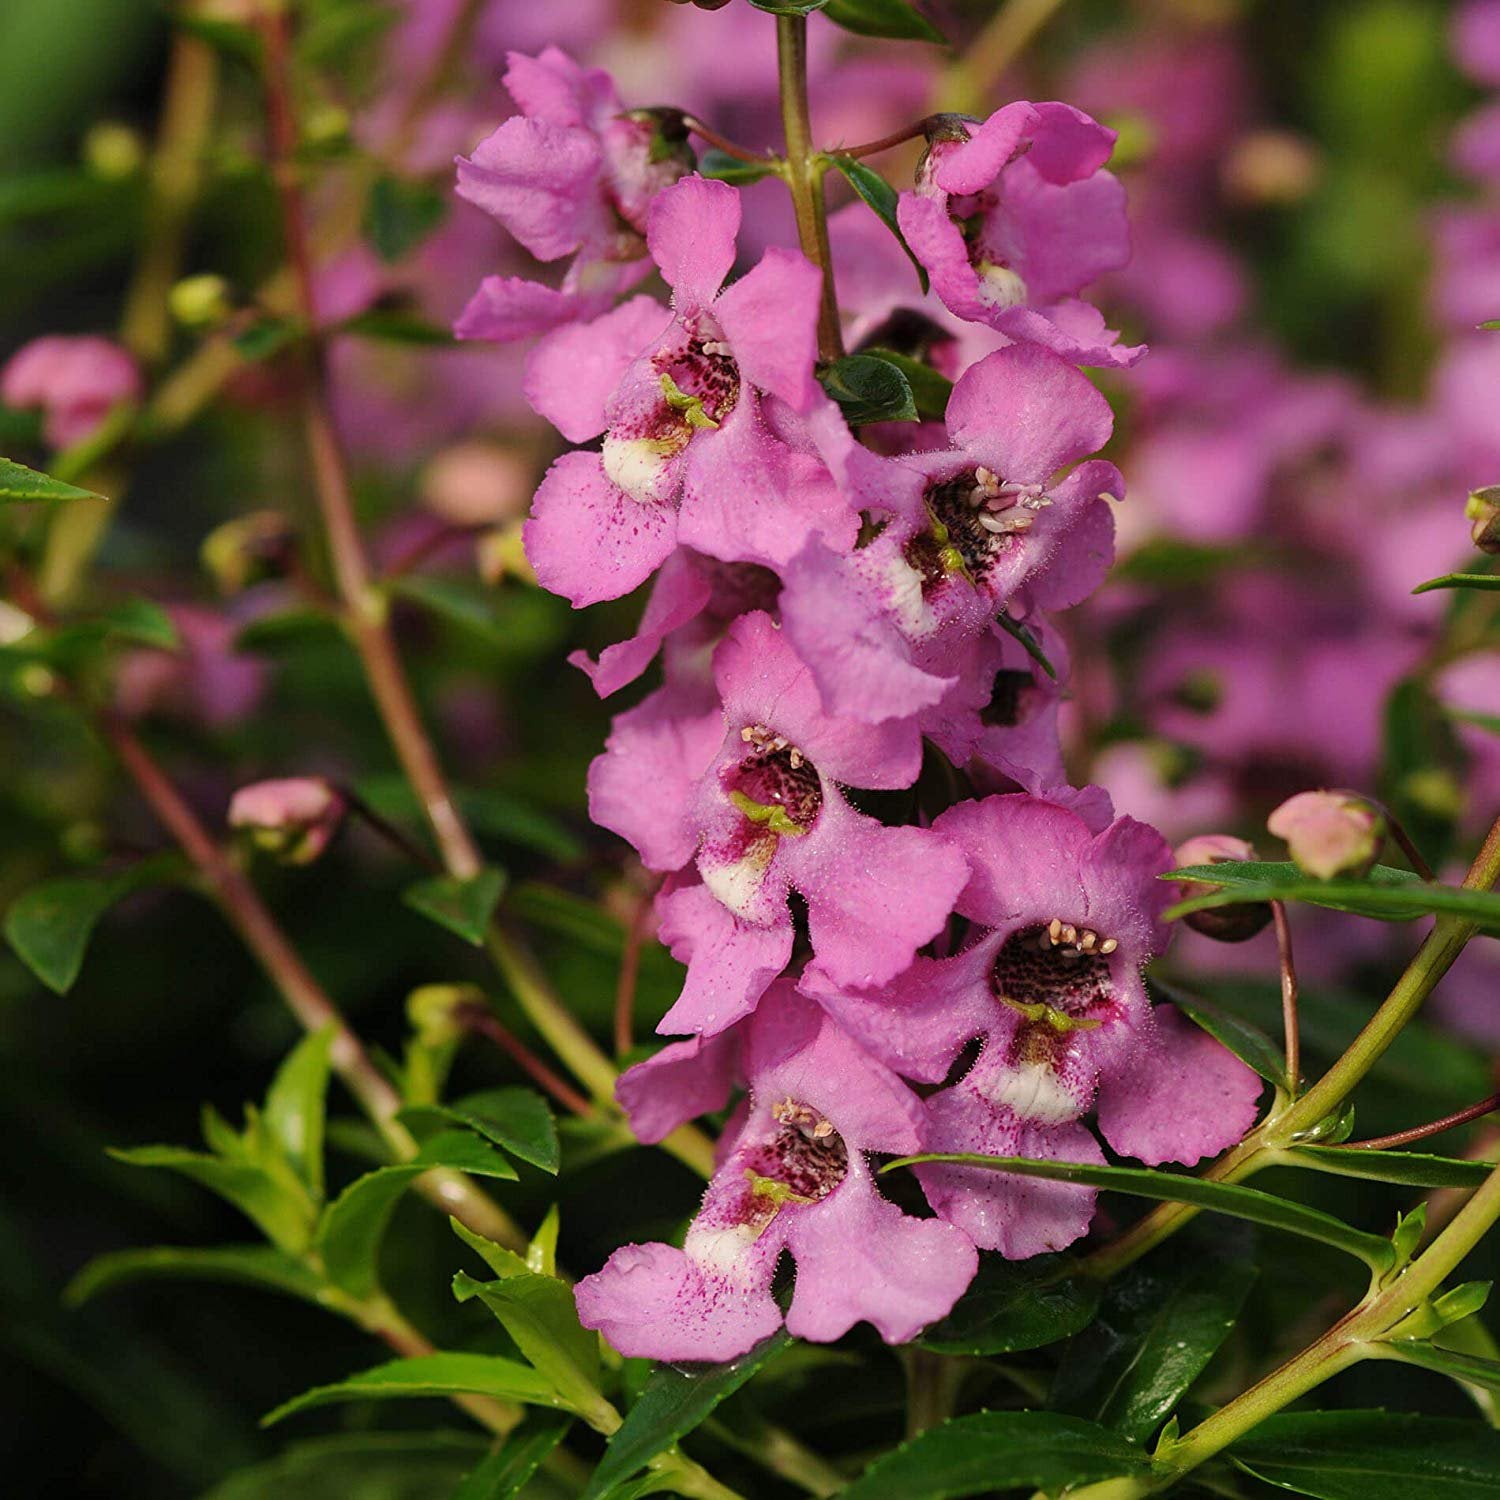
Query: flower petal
[691, 233]
[770, 319]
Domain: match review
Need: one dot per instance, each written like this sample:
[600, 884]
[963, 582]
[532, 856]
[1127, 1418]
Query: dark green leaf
[399, 215]
[253, 1265]
[464, 907]
[538, 1313]
[1460, 581]
[1470, 1369]
[929, 389]
[350, 1233]
[18, 485]
[1024, 635]
[358, 1466]
[892, 18]
[142, 621]
[996, 1452]
[287, 629]
[232, 38]
[868, 389]
[674, 1401]
[296, 1106]
[1016, 1304]
[1422, 764]
[882, 199]
[1159, 1325]
[727, 168]
[1490, 722]
[1385, 893]
[1248, 1043]
[266, 337]
[516, 1118]
[1171, 1187]
[1410, 1168]
[1374, 1455]
[501, 1475]
[1171, 562]
[501, 1261]
[441, 1374]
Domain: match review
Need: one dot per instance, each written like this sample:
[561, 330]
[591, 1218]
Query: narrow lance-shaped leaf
[726, 168]
[1248, 1043]
[1460, 581]
[1016, 1304]
[250, 1265]
[1170, 1187]
[882, 199]
[19, 485]
[503, 1474]
[1409, 1168]
[296, 1105]
[516, 1119]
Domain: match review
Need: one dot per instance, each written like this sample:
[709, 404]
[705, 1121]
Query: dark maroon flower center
[806, 1158]
[702, 381]
[1008, 699]
[975, 517]
[774, 783]
[1036, 972]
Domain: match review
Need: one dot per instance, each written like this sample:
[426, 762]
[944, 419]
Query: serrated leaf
[868, 390]
[1373, 1455]
[1020, 1449]
[1248, 1043]
[898, 19]
[1409, 1168]
[446, 1373]
[251, 1265]
[1172, 1187]
[464, 907]
[1481, 581]
[20, 485]
[882, 199]
[350, 1232]
[296, 1106]
[517, 1119]
[538, 1313]
[675, 1399]
[1158, 1327]
[285, 1219]
[399, 215]
[726, 168]
[501, 1475]
[1016, 1305]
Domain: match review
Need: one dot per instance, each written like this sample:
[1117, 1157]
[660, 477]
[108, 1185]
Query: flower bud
[1483, 509]
[291, 819]
[76, 381]
[1329, 833]
[703, 4]
[113, 151]
[1272, 167]
[200, 301]
[433, 1011]
[477, 484]
[247, 549]
[1225, 924]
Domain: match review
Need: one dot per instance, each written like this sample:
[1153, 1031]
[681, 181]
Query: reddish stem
[630, 968]
[480, 1021]
[727, 146]
[1434, 1127]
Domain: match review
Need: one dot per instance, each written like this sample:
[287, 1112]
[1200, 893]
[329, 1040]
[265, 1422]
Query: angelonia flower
[75, 381]
[293, 818]
[903, 929]
[1329, 834]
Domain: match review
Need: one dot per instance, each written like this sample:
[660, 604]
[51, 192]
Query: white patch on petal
[737, 884]
[1032, 1091]
[999, 286]
[903, 592]
[721, 1252]
[636, 465]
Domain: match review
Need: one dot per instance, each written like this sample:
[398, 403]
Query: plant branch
[482, 1023]
[1421, 1132]
[887, 142]
[724, 144]
[1397, 831]
[1291, 1027]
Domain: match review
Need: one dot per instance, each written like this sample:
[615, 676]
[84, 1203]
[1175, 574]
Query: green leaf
[1373, 1455]
[20, 485]
[265, 337]
[296, 1106]
[1023, 634]
[1387, 894]
[538, 1313]
[1490, 722]
[789, 7]
[516, 1118]
[541, 1252]
[676, 1398]
[358, 1466]
[398, 328]
[1248, 1043]
[882, 199]
[284, 1218]
[726, 168]
[462, 602]
[350, 1232]
[1460, 581]
[1422, 764]
[1016, 1304]
[442, 1374]
[464, 907]
[868, 389]
[1171, 1187]
[1409, 1168]
[142, 621]
[399, 215]
[1157, 1329]
[252, 1265]
[995, 1451]
[892, 18]
[1469, 1369]
[50, 925]
[501, 1261]
[929, 389]
[288, 630]
[502, 1474]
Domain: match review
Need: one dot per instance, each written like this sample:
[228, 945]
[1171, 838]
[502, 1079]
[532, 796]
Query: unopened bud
[433, 1010]
[501, 553]
[666, 134]
[200, 301]
[325, 125]
[247, 549]
[1329, 833]
[1225, 924]
[113, 151]
[1483, 509]
[291, 819]
[1272, 166]
[477, 484]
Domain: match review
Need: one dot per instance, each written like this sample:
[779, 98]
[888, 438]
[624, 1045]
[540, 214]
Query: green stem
[932, 1385]
[969, 82]
[804, 175]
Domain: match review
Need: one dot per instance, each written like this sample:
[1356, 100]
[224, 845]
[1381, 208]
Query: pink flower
[1015, 218]
[293, 818]
[74, 380]
[572, 174]
[749, 795]
[973, 526]
[686, 404]
[1052, 987]
[795, 1179]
